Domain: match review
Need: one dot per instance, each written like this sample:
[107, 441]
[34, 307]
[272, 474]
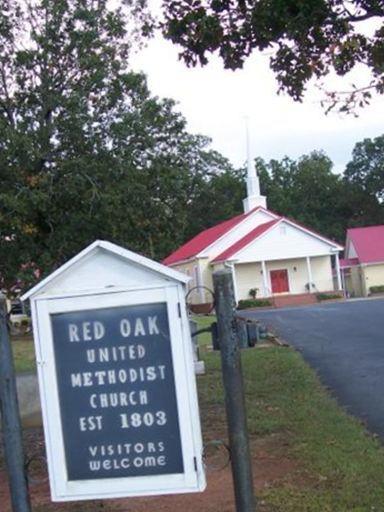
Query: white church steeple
[253, 198]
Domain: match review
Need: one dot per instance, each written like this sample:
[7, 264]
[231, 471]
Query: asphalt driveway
[344, 342]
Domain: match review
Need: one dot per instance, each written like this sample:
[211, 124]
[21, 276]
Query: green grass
[23, 354]
[339, 467]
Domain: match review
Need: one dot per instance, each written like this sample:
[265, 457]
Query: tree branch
[7, 104]
[363, 17]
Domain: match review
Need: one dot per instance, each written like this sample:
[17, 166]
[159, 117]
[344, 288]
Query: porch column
[265, 280]
[343, 283]
[200, 283]
[310, 277]
[338, 274]
[234, 282]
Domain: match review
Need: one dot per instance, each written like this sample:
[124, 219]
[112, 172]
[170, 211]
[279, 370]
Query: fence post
[10, 420]
[234, 392]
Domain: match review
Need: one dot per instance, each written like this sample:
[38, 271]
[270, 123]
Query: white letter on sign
[153, 329]
[125, 328]
[73, 335]
[99, 330]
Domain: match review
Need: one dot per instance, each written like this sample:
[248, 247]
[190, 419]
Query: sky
[216, 103]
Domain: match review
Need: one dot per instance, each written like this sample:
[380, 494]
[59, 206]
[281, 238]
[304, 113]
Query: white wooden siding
[244, 227]
[351, 251]
[277, 245]
[373, 276]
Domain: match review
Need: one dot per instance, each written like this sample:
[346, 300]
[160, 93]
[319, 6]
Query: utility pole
[234, 391]
[10, 420]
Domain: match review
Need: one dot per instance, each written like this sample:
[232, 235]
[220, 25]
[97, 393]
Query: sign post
[10, 420]
[116, 377]
[234, 392]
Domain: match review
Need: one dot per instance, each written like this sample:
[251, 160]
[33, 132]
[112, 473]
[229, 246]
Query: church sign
[116, 378]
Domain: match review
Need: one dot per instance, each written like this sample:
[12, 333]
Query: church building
[268, 254]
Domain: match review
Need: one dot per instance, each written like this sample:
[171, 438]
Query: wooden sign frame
[63, 489]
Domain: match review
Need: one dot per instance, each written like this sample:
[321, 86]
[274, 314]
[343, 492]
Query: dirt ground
[270, 468]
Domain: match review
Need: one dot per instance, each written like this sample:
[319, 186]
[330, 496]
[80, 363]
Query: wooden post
[10, 420]
[234, 392]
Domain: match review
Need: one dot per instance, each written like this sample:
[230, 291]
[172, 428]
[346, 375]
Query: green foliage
[366, 169]
[218, 198]
[253, 292]
[309, 192]
[376, 289]
[253, 303]
[308, 39]
[85, 151]
[328, 296]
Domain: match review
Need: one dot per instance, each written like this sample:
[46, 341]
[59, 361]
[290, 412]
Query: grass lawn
[336, 465]
[308, 454]
[23, 354]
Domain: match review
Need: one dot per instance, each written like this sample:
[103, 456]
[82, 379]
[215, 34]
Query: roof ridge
[246, 239]
[201, 241]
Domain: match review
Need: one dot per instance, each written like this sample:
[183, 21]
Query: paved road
[344, 342]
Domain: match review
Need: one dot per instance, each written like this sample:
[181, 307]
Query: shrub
[376, 289]
[256, 303]
[253, 292]
[328, 296]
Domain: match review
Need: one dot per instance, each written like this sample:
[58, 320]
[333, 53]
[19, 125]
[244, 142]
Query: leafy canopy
[85, 151]
[308, 191]
[366, 169]
[309, 38]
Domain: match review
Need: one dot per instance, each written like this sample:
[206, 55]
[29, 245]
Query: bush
[253, 292]
[328, 296]
[376, 289]
[257, 303]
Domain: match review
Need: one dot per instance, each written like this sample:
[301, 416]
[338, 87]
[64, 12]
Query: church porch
[285, 277]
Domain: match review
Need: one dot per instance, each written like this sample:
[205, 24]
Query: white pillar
[200, 283]
[338, 274]
[343, 283]
[310, 277]
[234, 283]
[265, 280]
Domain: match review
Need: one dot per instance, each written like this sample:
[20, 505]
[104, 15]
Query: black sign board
[117, 394]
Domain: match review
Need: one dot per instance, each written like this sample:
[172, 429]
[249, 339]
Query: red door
[279, 281]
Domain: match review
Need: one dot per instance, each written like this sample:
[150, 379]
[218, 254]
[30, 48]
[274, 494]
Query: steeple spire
[253, 198]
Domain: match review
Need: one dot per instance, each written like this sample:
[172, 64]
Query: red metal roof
[348, 262]
[243, 242]
[203, 240]
[368, 243]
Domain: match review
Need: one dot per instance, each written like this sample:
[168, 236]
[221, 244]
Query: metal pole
[10, 420]
[234, 393]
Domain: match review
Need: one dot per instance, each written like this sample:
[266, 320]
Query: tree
[366, 169]
[308, 191]
[308, 38]
[217, 198]
[85, 151]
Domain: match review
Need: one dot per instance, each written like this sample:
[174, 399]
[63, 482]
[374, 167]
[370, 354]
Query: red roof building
[363, 266]
[202, 241]
[266, 252]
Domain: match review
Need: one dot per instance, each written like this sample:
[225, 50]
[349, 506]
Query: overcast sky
[215, 103]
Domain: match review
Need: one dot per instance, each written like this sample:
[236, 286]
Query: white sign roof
[54, 282]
